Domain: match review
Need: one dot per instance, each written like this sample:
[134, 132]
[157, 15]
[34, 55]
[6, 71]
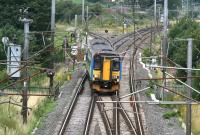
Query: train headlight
[95, 76]
[115, 77]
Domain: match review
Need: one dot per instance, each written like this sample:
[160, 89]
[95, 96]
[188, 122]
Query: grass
[8, 120]
[62, 29]
[61, 75]
[42, 110]
[77, 1]
[195, 117]
[171, 114]
[11, 119]
[149, 92]
[10, 115]
[39, 81]
[3, 75]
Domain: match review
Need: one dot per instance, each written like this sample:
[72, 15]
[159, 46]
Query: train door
[106, 69]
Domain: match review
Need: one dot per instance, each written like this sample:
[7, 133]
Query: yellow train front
[103, 66]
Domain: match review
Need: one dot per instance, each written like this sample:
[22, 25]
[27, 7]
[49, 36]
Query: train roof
[100, 46]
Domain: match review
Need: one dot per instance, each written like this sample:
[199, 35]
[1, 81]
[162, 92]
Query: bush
[185, 28]
[146, 52]
[171, 114]
[46, 106]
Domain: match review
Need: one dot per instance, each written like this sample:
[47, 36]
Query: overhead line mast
[165, 42]
[51, 73]
[25, 57]
[53, 10]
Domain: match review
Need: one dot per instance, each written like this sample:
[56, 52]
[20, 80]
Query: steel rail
[139, 130]
[71, 108]
[136, 46]
[127, 119]
[128, 35]
[116, 119]
[142, 31]
[99, 36]
[168, 78]
[130, 44]
[105, 118]
[134, 105]
[148, 102]
[90, 115]
[138, 119]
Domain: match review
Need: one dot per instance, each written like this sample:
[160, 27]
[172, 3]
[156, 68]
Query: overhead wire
[177, 93]
[20, 81]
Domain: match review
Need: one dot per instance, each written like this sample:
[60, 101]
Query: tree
[173, 7]
[9, 31]
[39, 12]
[146, 3]
[96, 8]
[174, 4]
[94, 1]
[185, 28]
[66, 10]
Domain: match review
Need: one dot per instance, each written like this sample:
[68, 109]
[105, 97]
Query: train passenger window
[97, 64]
[115, 65]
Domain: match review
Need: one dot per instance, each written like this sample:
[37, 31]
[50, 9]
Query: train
[104, 66]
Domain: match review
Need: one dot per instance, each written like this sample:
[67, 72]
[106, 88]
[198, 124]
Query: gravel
[54, 118]
[153, 114]
[78, 118]
[156, 124]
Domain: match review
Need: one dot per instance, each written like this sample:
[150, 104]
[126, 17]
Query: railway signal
[74, 50]
[50, 74]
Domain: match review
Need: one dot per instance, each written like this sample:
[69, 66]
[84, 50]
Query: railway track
[124, 43]
[128, 120]
[74, 106]
[119, 114]
[136, 108]
[84, 103]
[129, 36]
[104, 116]
[122, 112]
[89, 115]
[128, 42]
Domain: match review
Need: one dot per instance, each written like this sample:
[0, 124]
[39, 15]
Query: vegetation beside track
[178, 34]
[11, 119]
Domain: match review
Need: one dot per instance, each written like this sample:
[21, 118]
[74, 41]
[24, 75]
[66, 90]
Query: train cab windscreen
[97, 63]
[116, 64]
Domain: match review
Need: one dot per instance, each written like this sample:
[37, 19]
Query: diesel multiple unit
[103, 66]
